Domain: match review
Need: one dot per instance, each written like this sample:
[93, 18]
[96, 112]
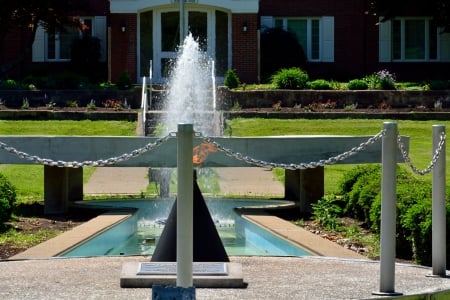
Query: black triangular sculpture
[208, 246]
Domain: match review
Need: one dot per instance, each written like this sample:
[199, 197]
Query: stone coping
[75, 236]
[296, 235]
[310, 242]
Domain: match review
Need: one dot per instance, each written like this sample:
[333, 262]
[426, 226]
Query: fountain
[190, 237]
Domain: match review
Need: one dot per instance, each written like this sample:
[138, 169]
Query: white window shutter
[384, 41]
[100, 33]
[266, 22]
[38, 49]
[328, 39]
[445, 47]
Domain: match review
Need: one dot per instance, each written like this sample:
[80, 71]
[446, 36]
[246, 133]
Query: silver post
[388, 210]
[185, 194]
[439, 211]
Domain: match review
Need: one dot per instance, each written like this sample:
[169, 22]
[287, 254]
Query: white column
[388, 210]
[185, 194]
[439, 211]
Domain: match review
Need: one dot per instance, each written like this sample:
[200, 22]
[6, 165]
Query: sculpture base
[206, 275]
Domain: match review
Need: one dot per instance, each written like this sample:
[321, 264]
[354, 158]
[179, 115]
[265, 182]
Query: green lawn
[420, 133]
[29, 179]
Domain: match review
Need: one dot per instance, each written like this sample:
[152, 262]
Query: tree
[279, 49]
[439, 10]
[28, 14]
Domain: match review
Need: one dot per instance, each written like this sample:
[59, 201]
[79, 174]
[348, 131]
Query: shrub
[439, 84]
[292, 78]
[361, 196]
[124, 81]
[357, 84]
[319, 84]
[8, 84]
[7, 198]
[231, 79]
[280, 49]
[381, 80]
[386, 80]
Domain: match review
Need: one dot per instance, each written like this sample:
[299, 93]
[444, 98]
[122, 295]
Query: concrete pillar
[305, 186]
[61, 185]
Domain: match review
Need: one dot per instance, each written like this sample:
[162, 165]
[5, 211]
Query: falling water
[190, 97]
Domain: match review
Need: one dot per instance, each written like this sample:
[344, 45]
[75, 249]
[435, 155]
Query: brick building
[340, 39]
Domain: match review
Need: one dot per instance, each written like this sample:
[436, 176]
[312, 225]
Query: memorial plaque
[170, 268]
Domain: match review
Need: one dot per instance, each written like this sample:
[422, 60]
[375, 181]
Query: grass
[420, 133]
[29, 179]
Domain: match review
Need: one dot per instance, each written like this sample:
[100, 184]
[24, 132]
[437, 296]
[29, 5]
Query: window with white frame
[315, 34]
[307, 32]
[55, 46]
[412, 39]
[59, 43]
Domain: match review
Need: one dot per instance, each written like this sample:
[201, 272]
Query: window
[315, 35]
[414, 39]
[60, 43]
[55, 46]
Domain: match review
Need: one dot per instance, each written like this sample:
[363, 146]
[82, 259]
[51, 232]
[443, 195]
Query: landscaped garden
[348, 213]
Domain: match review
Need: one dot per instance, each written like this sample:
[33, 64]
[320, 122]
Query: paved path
[249, 182]
[232, 181]
[117, 181]
[267, 277]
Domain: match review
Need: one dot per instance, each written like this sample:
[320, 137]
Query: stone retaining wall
[364, 99]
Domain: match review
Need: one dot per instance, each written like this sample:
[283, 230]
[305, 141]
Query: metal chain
[434, 159]
[229, 152]
[87, 163]
[300, 166]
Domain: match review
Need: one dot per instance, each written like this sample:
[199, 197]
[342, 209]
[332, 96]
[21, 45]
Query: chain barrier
[300, 166]
[98, 163]
[252, 161]
[434, 159]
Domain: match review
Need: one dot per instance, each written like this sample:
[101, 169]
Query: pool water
[139, 234]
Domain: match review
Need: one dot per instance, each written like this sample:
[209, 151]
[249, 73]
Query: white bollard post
[438, 207]
[185, 194]
[388, 210]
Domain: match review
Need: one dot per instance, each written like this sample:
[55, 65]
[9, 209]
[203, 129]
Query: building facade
[340, 39]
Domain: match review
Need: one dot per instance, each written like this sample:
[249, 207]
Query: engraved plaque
[170, 268]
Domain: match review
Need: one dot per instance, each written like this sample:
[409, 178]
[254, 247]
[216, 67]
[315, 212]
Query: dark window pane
[414, 39]
[433, 40]
[221, 43]
[170, 30]
[146, 45]
[198, 27]
[396, 39]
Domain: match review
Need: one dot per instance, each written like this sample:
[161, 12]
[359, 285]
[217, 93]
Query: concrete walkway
[267, 278]
[117, 181]
[311, 277]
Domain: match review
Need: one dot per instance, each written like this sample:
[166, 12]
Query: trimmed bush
[320, 84]
[357, 84]
[361, 199]
[231, 79]
[291, 79]
[7, 198]
[124, 81]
